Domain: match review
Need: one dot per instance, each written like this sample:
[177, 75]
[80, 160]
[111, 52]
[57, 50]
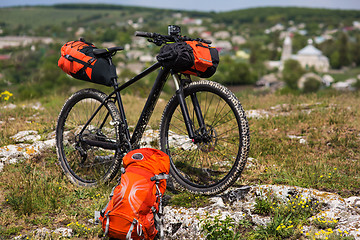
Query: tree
[344, 50]
[276, 44]
[234, 72]
[109, 35]
[335, 60]
[292, 73]
[311, 85]
[355, 51]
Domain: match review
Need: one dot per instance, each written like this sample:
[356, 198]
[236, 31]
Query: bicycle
[203, 129]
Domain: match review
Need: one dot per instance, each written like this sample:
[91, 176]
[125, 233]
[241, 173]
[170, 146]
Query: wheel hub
[206, 139]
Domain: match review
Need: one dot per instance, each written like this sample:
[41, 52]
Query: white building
[222, 35]
[310, 56]
[238, 40]
[17, 41]
[287, 49]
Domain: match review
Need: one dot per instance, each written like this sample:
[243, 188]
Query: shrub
[311, 85]
[292, 73]
[216, 228]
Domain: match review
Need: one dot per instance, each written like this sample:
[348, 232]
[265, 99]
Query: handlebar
[144, 34]
[159, 39]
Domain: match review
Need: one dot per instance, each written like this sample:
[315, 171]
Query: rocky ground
[184, 223]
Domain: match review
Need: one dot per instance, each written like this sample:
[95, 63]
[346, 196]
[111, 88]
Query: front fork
[185, 112]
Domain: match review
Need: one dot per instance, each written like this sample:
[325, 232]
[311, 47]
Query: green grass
[188, 200]
[342, 76]
[36, 194]
[329, 160]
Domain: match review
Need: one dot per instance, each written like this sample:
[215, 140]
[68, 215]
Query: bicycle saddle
[106, 52]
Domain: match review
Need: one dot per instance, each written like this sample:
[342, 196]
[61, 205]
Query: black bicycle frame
[147, 109]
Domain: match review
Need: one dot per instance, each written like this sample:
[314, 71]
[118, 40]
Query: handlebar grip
[144, 34]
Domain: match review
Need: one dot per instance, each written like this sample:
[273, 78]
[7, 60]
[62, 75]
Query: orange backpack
[135, 207]
[78, 60]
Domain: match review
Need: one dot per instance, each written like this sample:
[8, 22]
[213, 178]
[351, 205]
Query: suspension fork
[185, 112]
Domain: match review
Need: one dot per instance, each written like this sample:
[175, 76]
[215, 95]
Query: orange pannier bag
[206, 60]
[78, 60]
[135, 207]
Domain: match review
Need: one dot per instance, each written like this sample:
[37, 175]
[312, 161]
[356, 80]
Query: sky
[201, 5]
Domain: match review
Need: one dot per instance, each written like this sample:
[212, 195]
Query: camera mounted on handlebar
[174, 30]
[174, 35]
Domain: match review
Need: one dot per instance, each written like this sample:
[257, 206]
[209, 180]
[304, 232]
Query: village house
[223, 45]
[196, 29]
[21, 41]
[222, 35]
[238, 40]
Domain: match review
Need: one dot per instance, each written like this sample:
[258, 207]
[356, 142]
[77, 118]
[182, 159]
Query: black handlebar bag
[177, 56]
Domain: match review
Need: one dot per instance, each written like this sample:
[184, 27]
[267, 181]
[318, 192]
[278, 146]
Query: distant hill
[273, 15]
[67, 13]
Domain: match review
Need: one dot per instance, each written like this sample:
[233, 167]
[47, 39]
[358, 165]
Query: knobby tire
[210, 166]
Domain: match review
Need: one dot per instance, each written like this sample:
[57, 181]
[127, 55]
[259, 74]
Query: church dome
[310, 50]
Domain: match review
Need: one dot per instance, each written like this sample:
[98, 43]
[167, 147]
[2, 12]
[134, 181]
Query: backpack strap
[138, 230]
[160, 177]
[102, 212]
[158, 222]
[107, 223]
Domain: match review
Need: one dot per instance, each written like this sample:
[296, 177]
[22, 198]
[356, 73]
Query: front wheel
[214, 160]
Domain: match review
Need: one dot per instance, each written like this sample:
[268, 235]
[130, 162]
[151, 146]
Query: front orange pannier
[206, 59]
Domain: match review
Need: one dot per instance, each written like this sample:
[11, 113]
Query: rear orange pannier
[78, 60]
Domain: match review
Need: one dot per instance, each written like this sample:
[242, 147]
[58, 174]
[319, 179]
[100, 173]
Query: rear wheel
[214, 160]
[86, 155]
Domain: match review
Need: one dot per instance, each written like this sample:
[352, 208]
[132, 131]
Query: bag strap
[84, 41]
[86, 64]
[160, 176]
[158, 222]
[102, 212]
[107, 223]
[199, 44]
[138, 230]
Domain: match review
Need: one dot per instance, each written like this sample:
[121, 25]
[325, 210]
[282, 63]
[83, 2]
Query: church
[308, 57]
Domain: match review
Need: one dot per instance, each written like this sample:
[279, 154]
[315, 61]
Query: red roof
[4, 57]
